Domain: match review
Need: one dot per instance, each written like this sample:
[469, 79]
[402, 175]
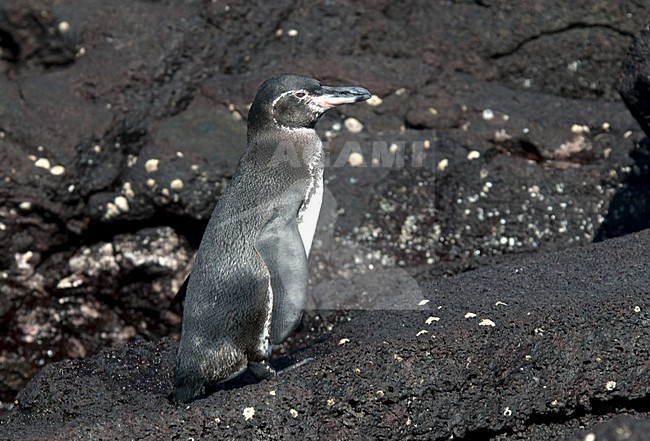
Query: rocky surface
[496, 130]
[635, 85]
[536, 348]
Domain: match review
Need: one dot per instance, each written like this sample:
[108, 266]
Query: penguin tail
[188, 381]
[188, 384]
[180, 295]
[186, 392]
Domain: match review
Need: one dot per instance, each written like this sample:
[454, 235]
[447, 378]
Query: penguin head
[294, 101]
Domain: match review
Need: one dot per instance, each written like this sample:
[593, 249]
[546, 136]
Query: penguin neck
[262, 123]
[304, 143]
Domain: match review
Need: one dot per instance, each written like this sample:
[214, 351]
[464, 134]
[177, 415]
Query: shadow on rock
[629, 209]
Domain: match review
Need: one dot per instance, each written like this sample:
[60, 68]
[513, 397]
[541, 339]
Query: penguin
[248, 284]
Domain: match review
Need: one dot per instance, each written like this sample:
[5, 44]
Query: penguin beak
[328, 97]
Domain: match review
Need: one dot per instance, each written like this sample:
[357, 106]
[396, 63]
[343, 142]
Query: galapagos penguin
[248, 284]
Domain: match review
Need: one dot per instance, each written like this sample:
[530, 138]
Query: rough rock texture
[535, 349]
[635, 86]
[497, 130]
[617, 429]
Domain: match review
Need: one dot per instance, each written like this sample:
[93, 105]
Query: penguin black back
[249, 281]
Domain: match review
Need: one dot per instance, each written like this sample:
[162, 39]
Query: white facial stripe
[307, 99]
[289, 92]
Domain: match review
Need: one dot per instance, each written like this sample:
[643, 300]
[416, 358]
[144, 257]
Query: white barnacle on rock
[355, 159]
[159, 251]
[374, 101]
[474, 154]
[486, 322]
[248, 413]
[431, 319]
[111, 211]
[127, 190]
[57, 170]
[470, 315]
[42, 163]
[502, 135]
[488, 114]
[579, 128]
[71, 281]
[176, 185]
[93, 261]
[122, 204]
[353, 125]
[409, 228]
[151, 165]
[131, 160]
[22, 261]
[64, 27]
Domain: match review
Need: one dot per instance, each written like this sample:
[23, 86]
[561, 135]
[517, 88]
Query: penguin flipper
[280, 246]
[180, 295]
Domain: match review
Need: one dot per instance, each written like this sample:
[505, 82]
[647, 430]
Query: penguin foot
[298, 364]
[261, 370]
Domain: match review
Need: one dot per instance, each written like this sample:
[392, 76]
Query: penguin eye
[301, 94]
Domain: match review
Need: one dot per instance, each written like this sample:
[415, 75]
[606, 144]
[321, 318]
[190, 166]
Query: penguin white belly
[309, 212]
[307, 220]
[265, 339]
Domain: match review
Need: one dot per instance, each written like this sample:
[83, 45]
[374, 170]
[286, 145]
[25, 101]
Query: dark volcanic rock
[74, 308]
[535, 349]
[635, 85]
